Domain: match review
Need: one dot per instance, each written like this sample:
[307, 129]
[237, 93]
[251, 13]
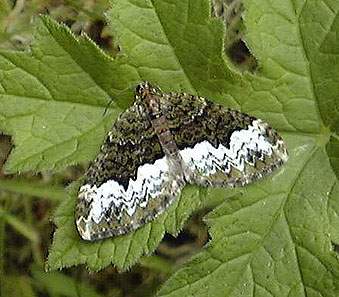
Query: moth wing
[130, 182]
[223, 147]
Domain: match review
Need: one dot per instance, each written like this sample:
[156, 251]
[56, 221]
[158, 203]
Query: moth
[160, 144]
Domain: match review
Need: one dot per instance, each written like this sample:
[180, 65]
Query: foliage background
[276, 238]
[29, 200]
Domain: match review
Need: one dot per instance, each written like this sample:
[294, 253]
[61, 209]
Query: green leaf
[332, 148]
[33, 188]
[333, 213]
[280, 237]
[53, 98]
[69, 249]
[160, 39]
[157, 263]
[275, 239]
[4, 10]
[58, 284]
[322, 50]
[15, 285]
[175, 69]
[21, 227]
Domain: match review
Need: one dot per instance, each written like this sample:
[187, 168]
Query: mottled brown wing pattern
[129, 183]
[161, 143]
[220, 146]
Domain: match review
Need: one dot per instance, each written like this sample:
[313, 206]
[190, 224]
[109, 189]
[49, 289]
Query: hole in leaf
[335, 247]
[240, 55]
[5, 149]
[188, 242]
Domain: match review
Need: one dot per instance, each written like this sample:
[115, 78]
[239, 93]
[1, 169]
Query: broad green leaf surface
[160, 40]
[53, 98]
[279, 238]
[274, 240]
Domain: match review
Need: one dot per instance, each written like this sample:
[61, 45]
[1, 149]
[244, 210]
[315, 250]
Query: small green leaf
[58, 284]
[33, 188]
[15, 285]
[157, 263]
[21, 227]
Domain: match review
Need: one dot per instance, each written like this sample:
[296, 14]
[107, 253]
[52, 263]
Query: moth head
[149, 95]
[145, 89]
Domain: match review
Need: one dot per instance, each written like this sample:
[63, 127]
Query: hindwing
[129, 183]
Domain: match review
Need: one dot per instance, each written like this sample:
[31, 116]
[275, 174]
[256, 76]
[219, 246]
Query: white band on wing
[207, 160]
[148, 184]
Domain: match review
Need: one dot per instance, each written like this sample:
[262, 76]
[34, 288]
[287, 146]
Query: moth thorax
[165, 137]
[153, 106]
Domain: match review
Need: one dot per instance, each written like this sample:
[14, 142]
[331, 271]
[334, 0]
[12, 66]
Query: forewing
[222, 147]
[130, 182]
